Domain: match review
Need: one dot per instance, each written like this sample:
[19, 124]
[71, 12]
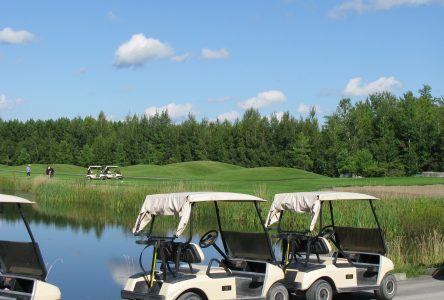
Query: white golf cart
[111, 172]
[312, 267]
[94, 172]
[245, 269]
[22, 270]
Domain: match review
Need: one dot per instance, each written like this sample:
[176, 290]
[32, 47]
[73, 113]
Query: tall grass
[412, 220]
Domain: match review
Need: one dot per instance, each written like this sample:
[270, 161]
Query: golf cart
[22, 270]
[94, 172]
[311, 266]
[111, 172]
[243, 269]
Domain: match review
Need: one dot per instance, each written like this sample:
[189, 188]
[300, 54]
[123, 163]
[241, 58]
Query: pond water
[89, 262]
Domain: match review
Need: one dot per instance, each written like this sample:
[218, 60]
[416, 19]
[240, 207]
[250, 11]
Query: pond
[84, 261]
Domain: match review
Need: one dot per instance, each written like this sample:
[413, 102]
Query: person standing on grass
[28, 170]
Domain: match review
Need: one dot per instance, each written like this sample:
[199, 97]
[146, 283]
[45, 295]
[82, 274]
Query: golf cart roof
[180, 203]
[309, 202]
[14, 199]
[90, 167]
[107, 167]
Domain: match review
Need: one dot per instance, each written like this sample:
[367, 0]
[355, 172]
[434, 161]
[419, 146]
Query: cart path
[424, 288]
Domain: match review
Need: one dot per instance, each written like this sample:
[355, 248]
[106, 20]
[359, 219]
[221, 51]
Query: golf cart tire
[320, 290]
[277, 292]
[387, 289]
[190, 296]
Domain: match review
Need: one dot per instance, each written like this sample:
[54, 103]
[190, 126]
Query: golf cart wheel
[277, 292]
[189, 296]
[320, 290]
[387, 289]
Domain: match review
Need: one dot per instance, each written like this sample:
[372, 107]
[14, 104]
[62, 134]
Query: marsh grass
[412, 217]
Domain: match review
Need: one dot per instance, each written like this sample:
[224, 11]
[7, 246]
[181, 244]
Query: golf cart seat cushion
[194, 254]
[359, 239]
[250, 245]
[319, 245]
[189, 252]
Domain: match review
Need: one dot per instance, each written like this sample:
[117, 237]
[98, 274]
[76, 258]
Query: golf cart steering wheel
[327, 231]
[208, 238]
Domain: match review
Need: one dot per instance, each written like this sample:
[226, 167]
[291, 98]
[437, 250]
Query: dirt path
[412, 191]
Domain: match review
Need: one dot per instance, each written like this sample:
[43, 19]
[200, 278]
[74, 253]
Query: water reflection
[90, 252]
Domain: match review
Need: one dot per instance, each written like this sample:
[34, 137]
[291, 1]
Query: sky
[213, 59]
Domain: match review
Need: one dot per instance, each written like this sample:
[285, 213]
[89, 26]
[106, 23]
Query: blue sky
[212, 58]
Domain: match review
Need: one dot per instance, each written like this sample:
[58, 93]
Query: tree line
[382, 135]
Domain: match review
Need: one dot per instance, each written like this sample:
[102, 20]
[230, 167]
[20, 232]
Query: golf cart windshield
[18, 257]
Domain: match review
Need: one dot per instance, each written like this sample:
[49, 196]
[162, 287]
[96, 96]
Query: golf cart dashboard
[249, 266]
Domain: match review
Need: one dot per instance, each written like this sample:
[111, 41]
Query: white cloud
[306, 109]
[278, 115]
[7, 104]
[264, 99]
[175, 111]
[362, 6]
[215, 54]
[230, 116]
[112, 16]
[140, 49]
[355, 87]
[9, 36]
[181, 58]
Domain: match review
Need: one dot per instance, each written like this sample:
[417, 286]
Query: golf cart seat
[181, 252]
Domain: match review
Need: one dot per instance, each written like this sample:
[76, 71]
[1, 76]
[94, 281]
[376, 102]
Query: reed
[413, 221]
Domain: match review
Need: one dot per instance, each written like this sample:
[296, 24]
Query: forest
[382, 135]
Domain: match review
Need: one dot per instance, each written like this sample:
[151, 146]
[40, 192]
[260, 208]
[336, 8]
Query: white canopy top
[13, 199]
[180, 203]
[307, 202]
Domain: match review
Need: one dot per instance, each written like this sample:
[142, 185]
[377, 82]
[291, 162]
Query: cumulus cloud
[305, 109]
[355, 87]
[278, 115]
[140, 49]
[363, 6]
[7, 104]
[175, 111]
[112, 16]
[230, 116]
[264, 99]
[215, 54]
[9, 36]
[181, 58]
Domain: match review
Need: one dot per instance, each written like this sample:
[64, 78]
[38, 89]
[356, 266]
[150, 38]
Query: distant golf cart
[111, 172]
[310, 265]
[22, 270]
[94, 172]
[244, 269]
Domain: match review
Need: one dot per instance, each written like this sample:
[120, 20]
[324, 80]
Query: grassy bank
[412, 217]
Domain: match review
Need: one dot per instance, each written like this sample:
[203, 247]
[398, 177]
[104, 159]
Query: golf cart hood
[180, 204]
[21, 258]
[307, 202]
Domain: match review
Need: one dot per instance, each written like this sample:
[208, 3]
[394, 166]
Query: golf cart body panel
[245, 272]
[358, 263]
[23, 272]
[94, 172]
